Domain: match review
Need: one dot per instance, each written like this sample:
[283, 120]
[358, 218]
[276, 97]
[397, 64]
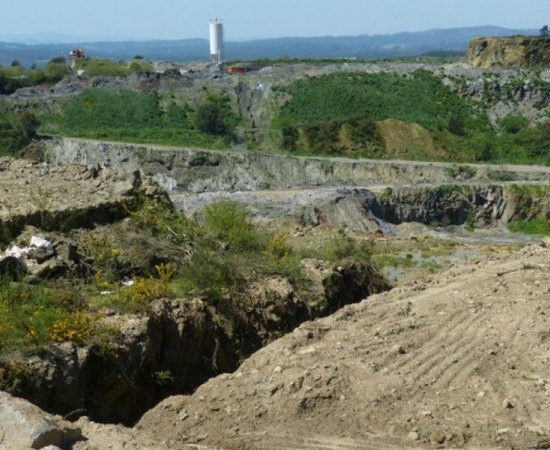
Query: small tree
[290, 136]
[457, 124]
[544, 31]
[28, 124]
[215, 116]
[209, 119]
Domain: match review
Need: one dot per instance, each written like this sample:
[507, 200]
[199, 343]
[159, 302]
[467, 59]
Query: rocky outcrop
[328, 207]
[24, 426]
[446, 205]
[516, 51]
[199, 171]
[173, 349]
[66, 197]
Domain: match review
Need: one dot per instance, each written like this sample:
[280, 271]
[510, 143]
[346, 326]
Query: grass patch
[138, 117]
[540, 225]
[420, 98]
[32, 316]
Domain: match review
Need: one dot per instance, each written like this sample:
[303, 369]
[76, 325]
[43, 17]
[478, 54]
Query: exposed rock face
[200, 171]
[179, 345]
[24, 426]
[447, 205]
[175, 348]
[516, 51]
[330, 207]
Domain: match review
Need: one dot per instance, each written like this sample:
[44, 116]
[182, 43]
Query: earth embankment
[436, 364]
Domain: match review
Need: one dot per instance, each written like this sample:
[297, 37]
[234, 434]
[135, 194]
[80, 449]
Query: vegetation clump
[140, 117]
[159, 253]
[532, 215]
[17, 130]
[367, 115]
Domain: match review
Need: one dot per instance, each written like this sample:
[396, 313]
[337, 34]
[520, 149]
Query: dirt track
[463, 360]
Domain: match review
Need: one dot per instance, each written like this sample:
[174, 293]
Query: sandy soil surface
[460, 360]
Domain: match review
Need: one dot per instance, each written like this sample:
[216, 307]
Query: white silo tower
[216, 41]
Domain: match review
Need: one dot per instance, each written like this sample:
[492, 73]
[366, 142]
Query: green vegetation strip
[214, 258]
[140, 117]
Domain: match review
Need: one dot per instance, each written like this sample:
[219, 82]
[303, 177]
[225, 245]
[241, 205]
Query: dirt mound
[402, 140]
[461, 360]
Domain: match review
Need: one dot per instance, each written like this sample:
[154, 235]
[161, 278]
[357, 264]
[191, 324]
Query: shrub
[278, 246]
[102, 67]
[290, 136]
[109, 109]
[536, 140]
[56, 71]
[215, 116]
[227, 222]
[77, 328]
[457, 124]
[341, 245]
[421, 98]
[539, 225]
[138, 117]
[345, 135]
[513, 124]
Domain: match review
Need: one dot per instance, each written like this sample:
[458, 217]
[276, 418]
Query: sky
[256, 19]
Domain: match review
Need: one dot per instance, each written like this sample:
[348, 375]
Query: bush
[513, 124]
[536, 141]
[457, 124]
[143, 291]
[227, 222]
[290, 136]
[341, 245]
[539, 225]
[138, 117]
[78, 328]
[102, 68]
[356, 134]
[215, 116]
[56, 71]
[16, 131]
[422, 99]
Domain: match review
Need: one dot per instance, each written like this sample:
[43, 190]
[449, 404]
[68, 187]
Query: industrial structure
[216, 41]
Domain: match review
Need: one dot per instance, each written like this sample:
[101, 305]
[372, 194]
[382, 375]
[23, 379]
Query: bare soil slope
[462, 360]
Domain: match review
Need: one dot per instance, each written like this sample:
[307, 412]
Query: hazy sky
[251, 19]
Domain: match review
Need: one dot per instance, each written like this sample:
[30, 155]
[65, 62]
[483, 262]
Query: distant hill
[364, 46]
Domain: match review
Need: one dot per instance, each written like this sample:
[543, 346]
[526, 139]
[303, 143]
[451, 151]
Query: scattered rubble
[66, 197]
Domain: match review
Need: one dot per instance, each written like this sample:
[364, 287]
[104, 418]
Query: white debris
[39, 242]
[22, 252]
[128, 283]
[16, 251]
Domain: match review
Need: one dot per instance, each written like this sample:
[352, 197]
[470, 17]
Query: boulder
[24, 425]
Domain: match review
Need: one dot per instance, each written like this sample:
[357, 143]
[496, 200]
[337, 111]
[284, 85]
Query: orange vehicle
[236, 70]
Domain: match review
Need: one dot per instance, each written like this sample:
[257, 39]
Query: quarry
[292, 277]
